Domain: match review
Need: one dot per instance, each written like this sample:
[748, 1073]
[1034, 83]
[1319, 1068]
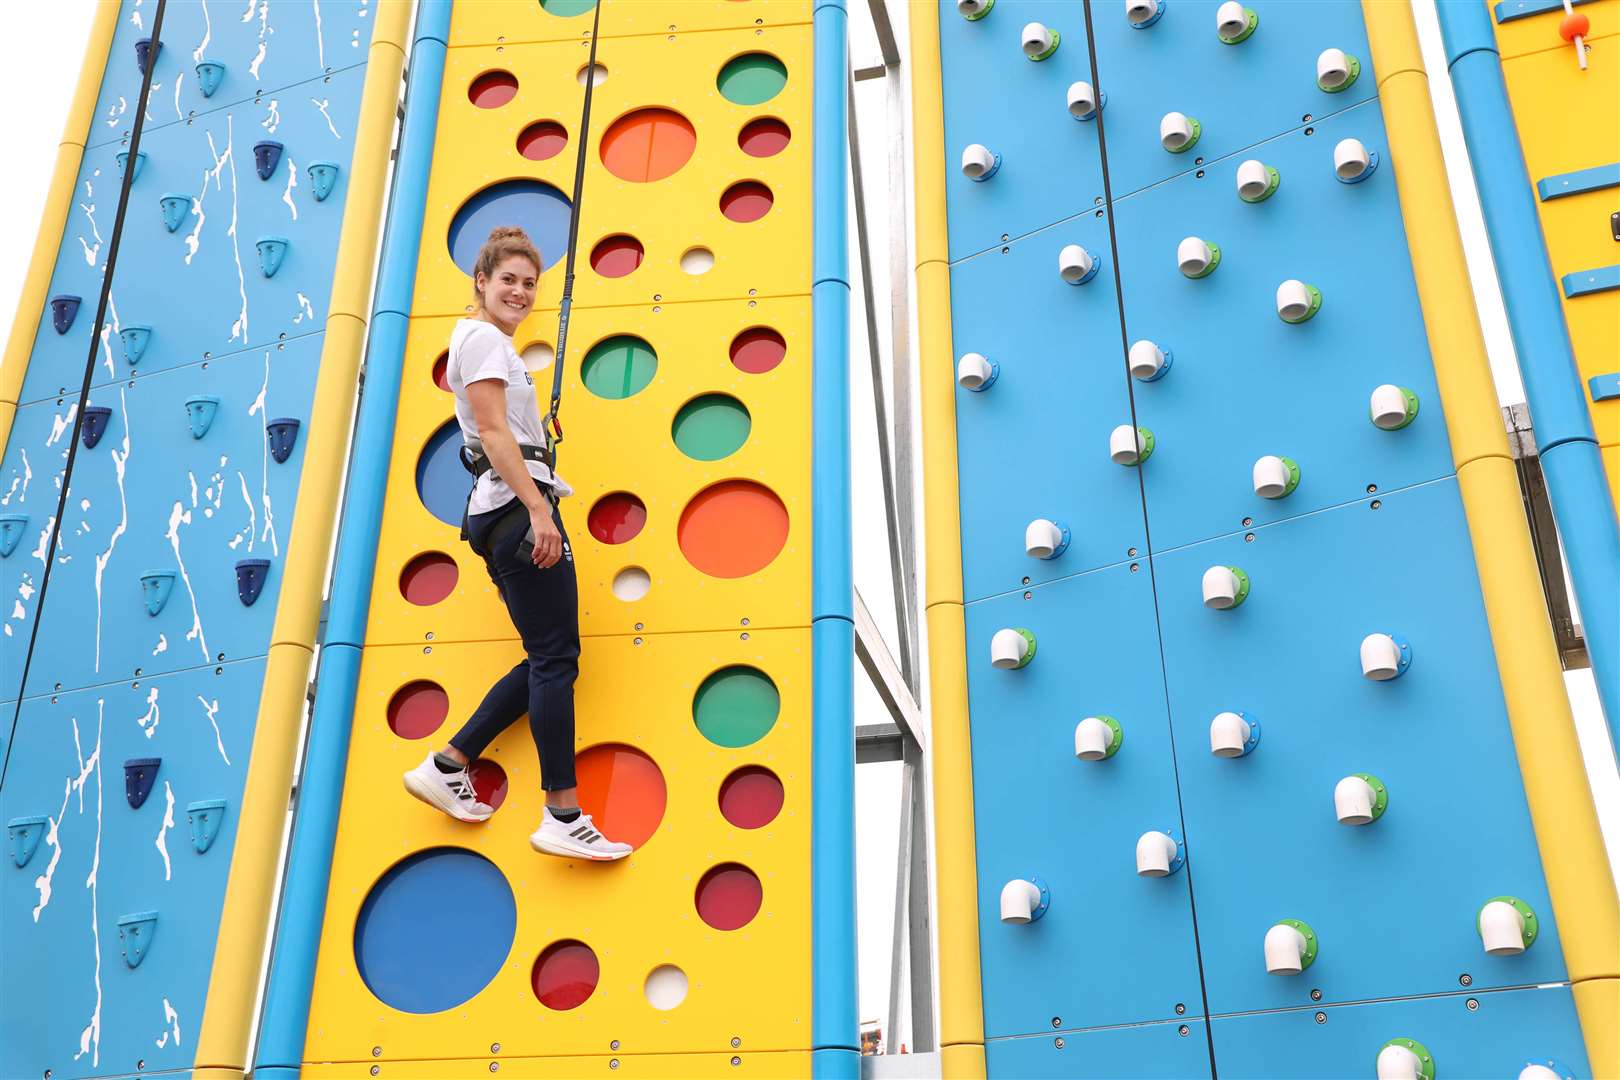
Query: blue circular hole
[538, 209]
[442, 480]
[405, 914]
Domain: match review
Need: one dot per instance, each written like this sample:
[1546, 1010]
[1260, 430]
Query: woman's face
[509, 291]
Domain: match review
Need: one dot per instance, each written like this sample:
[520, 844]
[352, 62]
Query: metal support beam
[880, 667]
[887, 43]
[1544, 536]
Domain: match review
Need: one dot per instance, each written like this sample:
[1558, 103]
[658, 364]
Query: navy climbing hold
[200, 411]
[250, 575]
[205, 817]
[24, 833]
[156, 585]
[283, 435]
[12, 527]
[272, 249]
[122, 158]
[145, 53]
[323, 178]
[266, 156]
[135, 933]
[139, 773]
[174, 209]
[64, 309]
[95, 424]
[135, 340]
[210, 73]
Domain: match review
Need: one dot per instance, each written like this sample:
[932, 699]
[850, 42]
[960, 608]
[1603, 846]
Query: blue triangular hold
[200, 410]
[323, 178]
[145, 52]
[210, 74]
[174, 208]
[122, 157]
[64, 309]
[266, 156]
[95, 425]
[283, 435]
[156, 585]
[139, 773]
[12, 527]
[135, 933]
[135, 340]
[25, 833]
[272, 249]
[205, 817]
[250, 576]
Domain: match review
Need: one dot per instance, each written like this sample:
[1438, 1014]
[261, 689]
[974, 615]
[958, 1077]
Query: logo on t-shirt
[528, 379]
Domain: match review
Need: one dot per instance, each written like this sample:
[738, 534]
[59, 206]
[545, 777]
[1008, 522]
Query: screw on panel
[1321, 1018]
[428, 636]
[1003, 238]
[1377, 503]
[613, 1063]
[638, 626]
[637, 641]
[140, 1065]
[1057, 1021]
[1306, 118]
[1181, 1008]
[1183, 1030]
[1135, 567]
[376, 1070]
[1199, 174]
[1247, 522]
[1005, 250]
[1371, 488]
[1465, 979]
[1026, 581]
[1027, 596]
[494, 1048]
[1472, 1003]
[736, 1061]
[428, 649]
[376, 1051]
[1131, 553]
[494, 1066]
[614, 1045]
[1058, 1042]
[1310, 131]
[735, 1042]
[1316, 995]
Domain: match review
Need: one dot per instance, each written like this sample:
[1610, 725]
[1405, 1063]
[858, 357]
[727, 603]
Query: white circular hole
[597, 73]
[539, 356]
[630, 584]
[666, 987]
[698, 260]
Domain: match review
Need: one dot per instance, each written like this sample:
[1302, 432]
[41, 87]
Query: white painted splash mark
[192, 477]
[155, 88]
[89, 208]
[44, 539]
[162, 645]
[323, 105]
[272, 118]
[53, 839]
[253, 516]
[171, 1024]
[240, 326]
[115, 113]
[135, 16]
[120, 459]
[192, 241]
[212, 709]
[62, 424]
[5, 499]
[306, 311]
[162, 842]
[264, 459]
[177, 517]
[292, 182]
[178, 79]
[149, 722]
[320, 41]
[90, 1037]
[264, 32]
[109, 330]
[208, 34]
[354, 40]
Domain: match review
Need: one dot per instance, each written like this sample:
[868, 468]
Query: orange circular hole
[733, 529]
[428, 578]
[617, 256]
[617, 518]
[623, 790]
[489, 781]
[417, 709]
[648, 144]
[757, 350]
[765, 137]
[441, 371]
[542, 139]
[748, 200]
[493, 89]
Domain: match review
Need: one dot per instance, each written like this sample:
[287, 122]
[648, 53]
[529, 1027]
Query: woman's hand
[547, 540]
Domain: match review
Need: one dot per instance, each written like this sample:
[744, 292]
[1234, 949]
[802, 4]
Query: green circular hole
[736, 706]
[752, 79]
[619, 367]
[564, 9]
[711, 427]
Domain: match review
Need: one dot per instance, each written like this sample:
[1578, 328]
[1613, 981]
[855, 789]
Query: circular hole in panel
[666, 987]
[596, 72]
[752, 79]
[765, 137]
[493, 89]
[538, 355]
[648, 144]
[617, 256]
[441, 371]
[616, 518]
[732, 529]
[618, 367]
[698, 260]
[748, 200]
[406, 908]
[441, 479]
[736, 706]
[751, 797]
[538, 209]
[489, 782]
[623, 790]
[729, 896]
[757, 350]
[566, 8]
[542, 139]
[711, 427]
[631, 584]
[565, 975]
[428, 578]
[417, 709]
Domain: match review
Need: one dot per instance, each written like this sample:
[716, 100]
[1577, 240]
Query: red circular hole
[616, 518]
[617, 256]
[489, 781]
[757, 350]
[441, 371]
[728, 896]
[493, 89]
[565, 975]
[751, 797]
[417, 709]
[764, 137]
[542, 139]
[746, 201]
[428, 578]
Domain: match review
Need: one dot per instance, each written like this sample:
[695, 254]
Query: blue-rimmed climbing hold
[122, 157]
[12, 527]
[272, 249]
[266, 156]
[156, 585]
[135, 339]
[210, 73]
[64, 309]
[200, 412]
[1142, 14]
[283, 435]
[250, 578]
[323, 177]
[175, 207]
[24, 834]
[139, 775]
[146, 52]
[95, 425]
[205, 817]
[135, 933]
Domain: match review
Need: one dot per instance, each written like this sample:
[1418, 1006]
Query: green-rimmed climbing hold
[1242, 589]
[1052, 38]
[1305, 931]
[1117, 740]
[1251, 22]
[1418, 1050]
[1526, 912]
[1273, 178]
[1336, 71]
[974, 10]
[618, 367]
[752, 79]
[1380, 793]
[736, 706]
[711, 427]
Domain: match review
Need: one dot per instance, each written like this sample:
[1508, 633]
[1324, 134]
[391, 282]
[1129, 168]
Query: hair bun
[506, 232]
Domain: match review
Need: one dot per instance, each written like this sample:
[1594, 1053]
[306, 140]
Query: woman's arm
[488, 400]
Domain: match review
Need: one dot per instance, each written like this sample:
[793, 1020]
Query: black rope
[130, 165]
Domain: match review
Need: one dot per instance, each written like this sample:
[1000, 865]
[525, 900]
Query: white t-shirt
[478, 351]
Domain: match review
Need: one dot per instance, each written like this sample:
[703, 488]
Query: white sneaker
[577, 839]
[451, 792]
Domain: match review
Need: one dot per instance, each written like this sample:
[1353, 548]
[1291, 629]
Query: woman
[513, 505]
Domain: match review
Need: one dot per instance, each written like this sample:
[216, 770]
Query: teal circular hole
[752, 79]
[619, 367]
[736, 706]
[565, 9]
[711, 427]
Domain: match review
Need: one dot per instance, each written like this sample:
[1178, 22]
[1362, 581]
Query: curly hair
[504, 241]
